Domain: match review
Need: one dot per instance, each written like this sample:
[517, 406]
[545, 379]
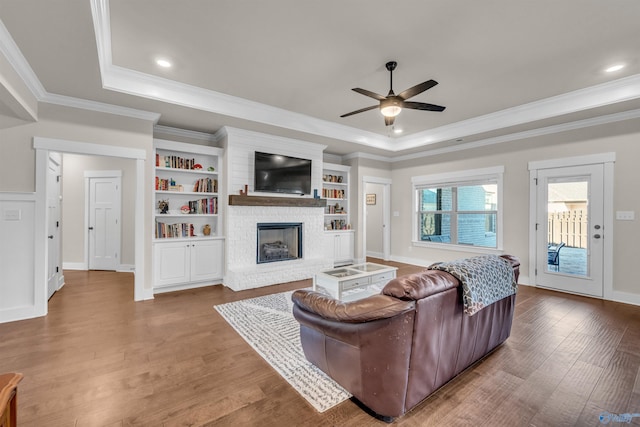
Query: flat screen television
[275, 173]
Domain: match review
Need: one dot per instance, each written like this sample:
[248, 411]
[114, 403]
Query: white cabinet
[340, 247]
[188, 246]
[187, 263]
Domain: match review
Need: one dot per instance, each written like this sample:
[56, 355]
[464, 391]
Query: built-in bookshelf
[335, 188]
[188, 246]
[186, 191]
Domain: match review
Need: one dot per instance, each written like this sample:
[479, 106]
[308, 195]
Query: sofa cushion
[420, 285]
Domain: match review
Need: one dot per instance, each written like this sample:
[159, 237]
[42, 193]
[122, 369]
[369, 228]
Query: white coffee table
[353, 277]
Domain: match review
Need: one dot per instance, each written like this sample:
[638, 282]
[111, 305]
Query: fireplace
[278, 242]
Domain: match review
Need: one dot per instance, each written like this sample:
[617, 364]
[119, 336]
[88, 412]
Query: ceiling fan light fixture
[390, 107]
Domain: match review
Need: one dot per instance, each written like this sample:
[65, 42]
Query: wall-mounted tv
[275, 173]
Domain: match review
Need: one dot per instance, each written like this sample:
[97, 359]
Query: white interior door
[570, 229]
[104, 223]
[53, 223]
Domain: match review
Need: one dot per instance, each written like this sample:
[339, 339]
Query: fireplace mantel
[302, 202]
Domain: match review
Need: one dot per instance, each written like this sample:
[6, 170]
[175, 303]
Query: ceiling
[287, 67]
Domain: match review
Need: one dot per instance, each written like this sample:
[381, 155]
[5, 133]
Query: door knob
[596, 236]
[90, 228]
[51, 237]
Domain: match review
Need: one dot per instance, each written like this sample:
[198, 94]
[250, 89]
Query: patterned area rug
[267, 324]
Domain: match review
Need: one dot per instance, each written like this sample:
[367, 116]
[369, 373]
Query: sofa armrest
[374, 307]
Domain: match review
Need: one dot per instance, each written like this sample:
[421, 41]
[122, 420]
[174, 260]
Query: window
[461, 208]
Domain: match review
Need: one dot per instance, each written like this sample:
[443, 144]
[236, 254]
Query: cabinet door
[344, 247]
[171, 263]
[206, 260]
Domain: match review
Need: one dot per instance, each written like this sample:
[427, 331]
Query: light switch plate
[625, 215]
[12, 215]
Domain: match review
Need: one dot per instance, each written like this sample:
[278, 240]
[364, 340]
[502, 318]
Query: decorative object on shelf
[185, 209]
[211, 169]
[163, 205]
[197, 166]
[315, 193]
[206, 230]
[371, 199]
[246, 190]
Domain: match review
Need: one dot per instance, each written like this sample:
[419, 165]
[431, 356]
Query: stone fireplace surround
[243, 272]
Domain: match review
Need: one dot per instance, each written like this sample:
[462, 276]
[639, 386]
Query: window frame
[490, 175]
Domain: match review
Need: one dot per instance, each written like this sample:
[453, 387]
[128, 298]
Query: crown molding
[14, 56]
[620, 90]
[101, 107]
[192, 134]
[564, 127]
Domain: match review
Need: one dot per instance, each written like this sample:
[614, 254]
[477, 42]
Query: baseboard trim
[626, 297]
[74, 266]
[184, 287]
[126, 268]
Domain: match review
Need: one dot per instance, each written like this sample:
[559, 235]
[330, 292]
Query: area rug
[267, 324]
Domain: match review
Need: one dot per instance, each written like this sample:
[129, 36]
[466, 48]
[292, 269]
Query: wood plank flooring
[100, 359]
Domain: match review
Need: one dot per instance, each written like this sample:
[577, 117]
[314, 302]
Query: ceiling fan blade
[413, 91]
[359, 111]
[422, 106]
[388, 121]
[369, 93]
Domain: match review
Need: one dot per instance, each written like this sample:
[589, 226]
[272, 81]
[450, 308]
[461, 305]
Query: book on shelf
[174, 162]
[164, 231]
[331, 193]
[206, 185]
[204, 206]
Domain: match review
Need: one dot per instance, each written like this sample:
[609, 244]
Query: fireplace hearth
[278, 242]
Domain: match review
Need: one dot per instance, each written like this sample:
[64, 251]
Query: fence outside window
[569, 227]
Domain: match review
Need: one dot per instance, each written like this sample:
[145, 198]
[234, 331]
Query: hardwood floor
[99, 359]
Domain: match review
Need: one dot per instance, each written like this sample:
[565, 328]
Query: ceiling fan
[392, 104]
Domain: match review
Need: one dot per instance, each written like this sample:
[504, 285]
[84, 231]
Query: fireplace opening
[279, 242]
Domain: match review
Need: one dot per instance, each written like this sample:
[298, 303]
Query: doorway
[103, 211]
[376, 213]
[43, 147]
[572, 237]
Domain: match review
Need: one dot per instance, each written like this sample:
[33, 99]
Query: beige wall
[374, 219]
[621, 138]
[73, 204]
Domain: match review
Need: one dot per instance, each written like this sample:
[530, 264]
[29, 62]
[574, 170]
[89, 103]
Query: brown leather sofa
[392, 350]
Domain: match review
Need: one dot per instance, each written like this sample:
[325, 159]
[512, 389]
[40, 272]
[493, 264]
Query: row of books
[174, 162]
[332, 210]
[330, 193]
[337, 224]
[206, 185]
[164, 231]
[204, 206]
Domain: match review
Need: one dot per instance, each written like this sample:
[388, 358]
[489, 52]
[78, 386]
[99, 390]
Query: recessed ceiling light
[396, 131]
[614, 68]
[164, 63]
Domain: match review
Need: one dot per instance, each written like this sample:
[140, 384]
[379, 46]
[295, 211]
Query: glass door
[569, 247]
